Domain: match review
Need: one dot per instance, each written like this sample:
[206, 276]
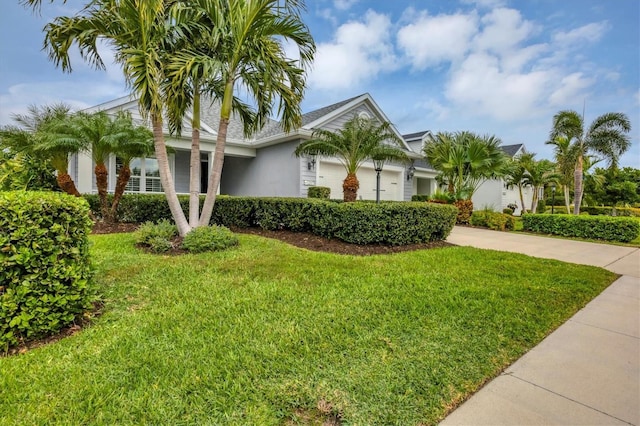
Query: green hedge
[44, 264]
[323, 192]
[623, 229]
[493, 220]
[611, 211]
[420, 197]
[394, 223]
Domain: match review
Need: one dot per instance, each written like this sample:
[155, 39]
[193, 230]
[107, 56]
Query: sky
[495, 67]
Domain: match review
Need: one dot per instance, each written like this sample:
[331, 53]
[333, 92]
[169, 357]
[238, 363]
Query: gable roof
[512, 150]
[415, 136]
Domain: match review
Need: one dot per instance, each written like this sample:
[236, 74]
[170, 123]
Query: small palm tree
[516, 174]
[607, 136]
[465, 160]
[538, 175]
[360, 140]
[566, 156]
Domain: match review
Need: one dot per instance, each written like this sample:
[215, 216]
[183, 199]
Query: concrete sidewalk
[588, 370]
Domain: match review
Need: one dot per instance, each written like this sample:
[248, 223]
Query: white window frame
[113, 177]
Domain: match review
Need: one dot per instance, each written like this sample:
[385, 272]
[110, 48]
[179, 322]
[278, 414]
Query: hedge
[44, 264]
[319, 192]
[493, 220]
[611, 211]
[394, 223]
[623, 229]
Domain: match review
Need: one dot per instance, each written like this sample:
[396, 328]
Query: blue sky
[500, 67]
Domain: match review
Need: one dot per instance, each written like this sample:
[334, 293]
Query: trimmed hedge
[493, 220]
[44, 264]
[394, 223]
[420, 197]
[611, 211]
[623, 229]
[323, 192]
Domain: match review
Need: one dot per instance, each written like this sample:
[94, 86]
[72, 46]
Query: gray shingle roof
[511, 150]
[412, 136]
[210, 115]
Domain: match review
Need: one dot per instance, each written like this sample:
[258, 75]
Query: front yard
[267, 333]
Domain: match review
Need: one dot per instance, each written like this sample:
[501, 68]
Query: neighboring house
[264, 165]
[496, 195]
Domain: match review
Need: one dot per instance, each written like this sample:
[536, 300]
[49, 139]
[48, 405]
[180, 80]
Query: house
[265, 164]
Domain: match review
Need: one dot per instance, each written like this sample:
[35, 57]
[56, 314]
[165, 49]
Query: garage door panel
[332, 176]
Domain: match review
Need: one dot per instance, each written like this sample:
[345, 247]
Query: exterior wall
[182, 170]
[340, 121]
[308, 175]
[274, 171]
[488, 195]
[416, 146]
[511, 195]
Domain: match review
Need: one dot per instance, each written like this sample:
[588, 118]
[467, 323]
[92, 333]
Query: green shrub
[442, 198]
[419, 197]
[541, 207]
[209, 238]
[44, 264]
[323, 192]
[493, 220]
[623, 229]
[611, 211]
[156, 236]
[507, 211]
[465, 209]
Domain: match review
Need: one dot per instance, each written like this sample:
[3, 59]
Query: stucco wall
[181, 171]
[274, 171]
[488, 195]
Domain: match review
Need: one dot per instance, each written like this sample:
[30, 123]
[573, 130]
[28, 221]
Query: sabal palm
[360, 139]
[607, 136]
[38, 133]
[465, 160]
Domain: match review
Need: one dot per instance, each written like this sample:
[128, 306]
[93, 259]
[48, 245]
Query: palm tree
[607, 136]
[566, 157]
[516, 174]
[464, 160]
[37, 134]
[538, 175]
[360, 139]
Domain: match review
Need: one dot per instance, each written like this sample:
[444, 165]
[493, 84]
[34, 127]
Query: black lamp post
[377, 164]
[553, 198]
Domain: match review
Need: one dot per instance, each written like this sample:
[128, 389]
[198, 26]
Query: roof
[414, 136]
[512, 150]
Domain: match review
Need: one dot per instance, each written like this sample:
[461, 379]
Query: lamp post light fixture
[553, 198]
[410, 172]
[377, 164]
[311, 164]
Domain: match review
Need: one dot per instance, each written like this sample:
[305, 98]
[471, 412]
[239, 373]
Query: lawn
[266, 333]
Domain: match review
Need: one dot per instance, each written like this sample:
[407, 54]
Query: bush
[157, 236]
[493, 220]
[611, 211]
[541, 207]
[440, 197]
[419, 197]
[44, 264]
[507, 211]
[319, 192]
[623, 229]
[465, 209]
[209, 238]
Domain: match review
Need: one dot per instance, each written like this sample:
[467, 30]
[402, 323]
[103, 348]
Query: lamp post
[553, 198]
[377, 164]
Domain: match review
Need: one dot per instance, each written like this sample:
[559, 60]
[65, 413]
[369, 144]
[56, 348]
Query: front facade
[265, 165]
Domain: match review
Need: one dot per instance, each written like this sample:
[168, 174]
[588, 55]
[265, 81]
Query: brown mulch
[101, 227]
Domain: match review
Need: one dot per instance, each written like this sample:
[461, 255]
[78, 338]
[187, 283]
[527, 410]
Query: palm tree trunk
[166, 178]
[577, 193]
[121, 184]
[194, 174]
[350, 187]
[534, 200]
[524, 208]
[218, 156]
[66, 183]
[567, 201]
[102, 183]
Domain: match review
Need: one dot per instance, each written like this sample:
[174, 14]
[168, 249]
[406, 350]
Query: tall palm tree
[38, 134]
[360, 139]
[516, 174]
[465, 160]
[139, 32]
[538, 175]
[607, 136]
[566, 156]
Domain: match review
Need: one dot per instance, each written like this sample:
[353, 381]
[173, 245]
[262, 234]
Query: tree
[37, 134]
[566, 156]
[360, 139]
[516, 174]
[538, 175]
[244, 48]
[607, 136]
[465, 160]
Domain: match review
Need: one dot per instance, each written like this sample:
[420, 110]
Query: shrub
[623, 229]
[493, 220]
[442, 198]
[209, 238]
[44, 264]
[157, 236]
[541, 207]
[420, 197]
[319, 192]
[507, 211]
[465, 209]
[611, 211]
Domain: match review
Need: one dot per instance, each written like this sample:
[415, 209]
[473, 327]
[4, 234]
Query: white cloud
[487, 4]
[590, 33]
[431, 40]
[344, 4]
[570, 88]
[359, 51]
[504, 30]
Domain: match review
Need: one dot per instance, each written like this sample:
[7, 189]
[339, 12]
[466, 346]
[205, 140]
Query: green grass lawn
[265, 333]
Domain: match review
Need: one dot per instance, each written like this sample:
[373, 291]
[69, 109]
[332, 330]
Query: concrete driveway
[585, 372]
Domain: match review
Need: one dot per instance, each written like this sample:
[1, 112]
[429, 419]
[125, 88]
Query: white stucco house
[265, 165]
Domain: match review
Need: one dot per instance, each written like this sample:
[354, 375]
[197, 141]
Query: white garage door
[332, 175]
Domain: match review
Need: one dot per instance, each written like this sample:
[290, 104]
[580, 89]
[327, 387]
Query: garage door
[332, 175]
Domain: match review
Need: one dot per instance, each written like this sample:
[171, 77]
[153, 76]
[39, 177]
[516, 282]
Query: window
[145, 175]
